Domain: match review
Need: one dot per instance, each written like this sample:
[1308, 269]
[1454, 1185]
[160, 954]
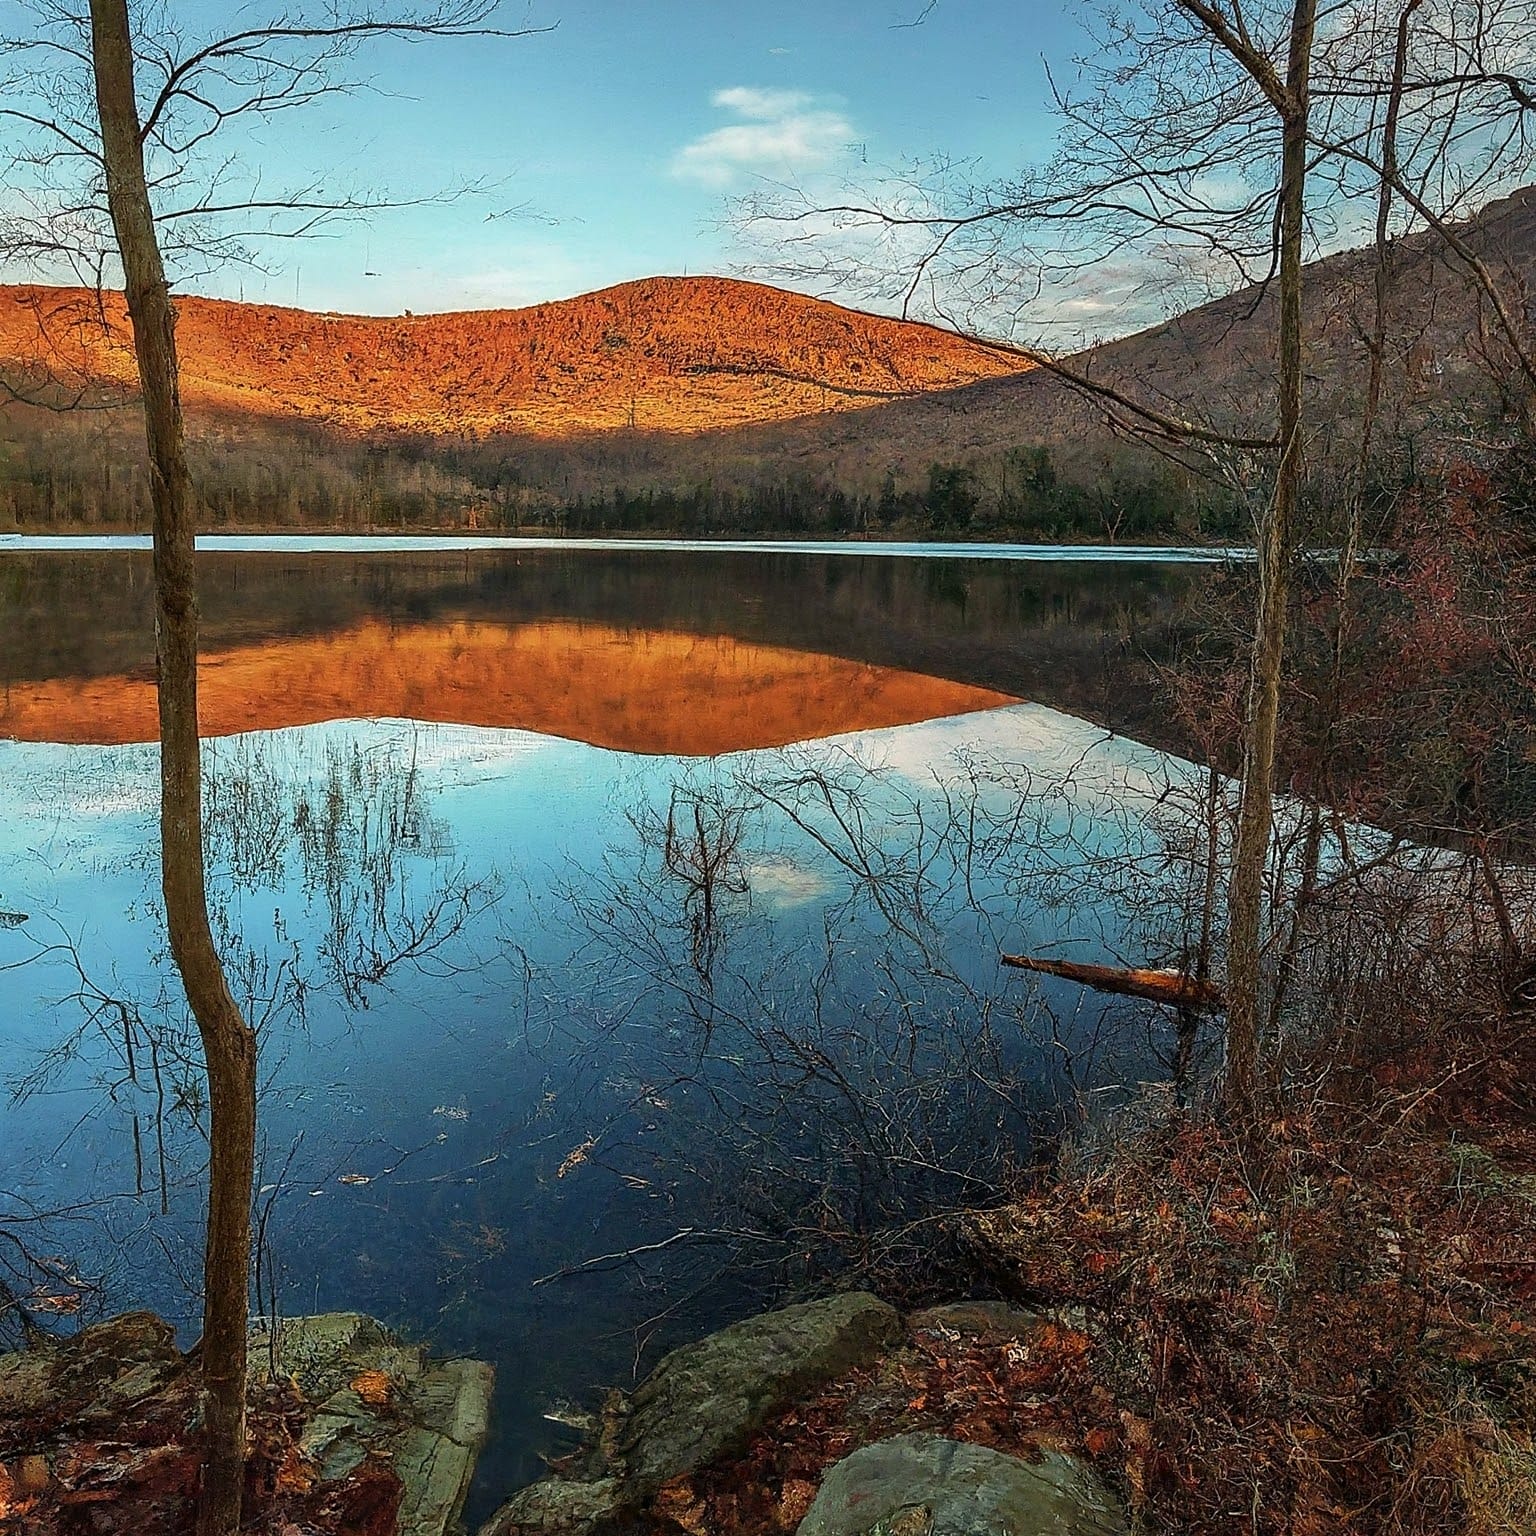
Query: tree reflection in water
[358, 883]
[814, 1052]
[530, 1008]
[357, 835]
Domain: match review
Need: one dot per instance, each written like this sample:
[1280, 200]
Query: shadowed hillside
[1215, 364]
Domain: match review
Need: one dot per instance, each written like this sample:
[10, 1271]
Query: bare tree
[1289, 97]
[1208, 93]
[124, 104]
[1208, 145]
[228, 1042]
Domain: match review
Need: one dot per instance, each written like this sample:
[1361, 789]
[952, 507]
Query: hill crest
[669, 354]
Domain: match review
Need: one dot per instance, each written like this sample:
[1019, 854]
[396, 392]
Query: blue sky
[622, 133]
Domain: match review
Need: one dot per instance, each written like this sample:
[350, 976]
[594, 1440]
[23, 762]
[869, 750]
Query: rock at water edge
[707, 1399]
[554, 1507]
[377, 1395]
[924, 1485]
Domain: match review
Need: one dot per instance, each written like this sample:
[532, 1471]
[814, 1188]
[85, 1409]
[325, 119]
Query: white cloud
[517, 285]
[781, 133]
[765, 105]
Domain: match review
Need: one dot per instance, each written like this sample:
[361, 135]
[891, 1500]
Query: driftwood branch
[1176, 987]
[623, 1256]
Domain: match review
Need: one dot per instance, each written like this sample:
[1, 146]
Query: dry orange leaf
[65, 1304]
[374, 1387]
[678, 1502]
[1098, 1441]
[295, 1475]
[10, 1505]
[576, 1157]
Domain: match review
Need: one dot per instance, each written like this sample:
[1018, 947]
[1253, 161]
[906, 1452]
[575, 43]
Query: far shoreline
[422, 542]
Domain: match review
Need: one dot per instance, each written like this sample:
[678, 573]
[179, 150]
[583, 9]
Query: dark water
[1063, 633]
[679, 1019]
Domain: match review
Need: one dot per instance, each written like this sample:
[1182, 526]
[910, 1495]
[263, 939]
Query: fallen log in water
[1175, 987]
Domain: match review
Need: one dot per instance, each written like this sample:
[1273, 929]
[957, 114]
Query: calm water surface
[586, 901]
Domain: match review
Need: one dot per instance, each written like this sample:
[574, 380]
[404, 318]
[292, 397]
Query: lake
[621, 924]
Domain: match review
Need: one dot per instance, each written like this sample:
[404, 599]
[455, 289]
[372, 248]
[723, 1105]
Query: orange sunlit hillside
[660, 354]
[634, 690]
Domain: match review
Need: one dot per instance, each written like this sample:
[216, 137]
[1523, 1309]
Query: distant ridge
[668, 354]
[708, 405]
[1215, 364]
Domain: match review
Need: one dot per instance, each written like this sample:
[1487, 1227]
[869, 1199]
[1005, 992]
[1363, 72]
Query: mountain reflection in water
[635, 690]
[1085, 638]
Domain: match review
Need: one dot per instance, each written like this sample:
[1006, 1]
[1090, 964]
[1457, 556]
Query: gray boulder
[702, 1402]
[366, 1394]
[922, 1485]
[92, 1376]
[707, 1399]
[555, 1507]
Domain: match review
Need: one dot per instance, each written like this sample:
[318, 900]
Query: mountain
[707, 404]
[662, 354]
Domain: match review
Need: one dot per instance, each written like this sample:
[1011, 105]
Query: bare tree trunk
[1382, 283]
[1250, 858]
[228, 1042]
[1301, 902]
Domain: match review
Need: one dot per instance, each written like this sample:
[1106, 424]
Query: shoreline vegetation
[49, 496]
[1334, 1337]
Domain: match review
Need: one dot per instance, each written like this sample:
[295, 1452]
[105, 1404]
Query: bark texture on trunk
[1245, 898]
[229, 1045]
